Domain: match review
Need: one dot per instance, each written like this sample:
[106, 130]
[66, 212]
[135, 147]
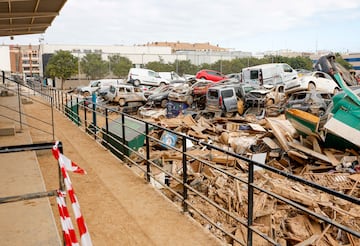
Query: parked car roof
[210, 75]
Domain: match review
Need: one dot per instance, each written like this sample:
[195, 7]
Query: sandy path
[119, 207]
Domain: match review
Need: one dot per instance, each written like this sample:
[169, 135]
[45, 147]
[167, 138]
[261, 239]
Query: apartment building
[25, 60]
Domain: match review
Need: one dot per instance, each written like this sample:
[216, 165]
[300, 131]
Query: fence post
[61, 178]
[147, 152]
[66, 102]
[85, 117]
[71, 108]
[62, 101]
[123, 132]
[250, 203]
[77, 112]
[107, 121]
[185, 207]
[93, 99]
[55, 97]
[52, 118]
[19, 100]
[3, 76]
[58, 100]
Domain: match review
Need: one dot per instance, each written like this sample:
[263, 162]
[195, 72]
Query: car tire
[321, 112]
[311, 86]
[163, 103]
[122, 102]
[270, 102]
[136, 82]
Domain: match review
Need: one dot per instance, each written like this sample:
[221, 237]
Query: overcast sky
[253, 26]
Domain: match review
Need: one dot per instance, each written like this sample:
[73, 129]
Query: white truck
[269, 74]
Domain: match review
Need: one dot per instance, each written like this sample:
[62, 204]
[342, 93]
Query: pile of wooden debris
[274, 142]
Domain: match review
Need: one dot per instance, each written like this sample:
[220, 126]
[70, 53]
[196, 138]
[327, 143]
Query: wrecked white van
[269, 74]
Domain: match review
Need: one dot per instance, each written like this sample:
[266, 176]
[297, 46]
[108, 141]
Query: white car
[142, 76]
[312, 81]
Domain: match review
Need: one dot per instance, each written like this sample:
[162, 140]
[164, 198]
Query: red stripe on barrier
[66, 164]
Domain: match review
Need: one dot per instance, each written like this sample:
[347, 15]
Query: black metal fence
[113, 128]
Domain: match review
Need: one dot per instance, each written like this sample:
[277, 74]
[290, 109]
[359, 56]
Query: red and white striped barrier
[66, 164]
[66, 223]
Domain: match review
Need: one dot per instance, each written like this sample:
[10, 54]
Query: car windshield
[94, 84]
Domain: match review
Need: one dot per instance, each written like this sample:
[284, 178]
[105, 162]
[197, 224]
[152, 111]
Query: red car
[210, 75]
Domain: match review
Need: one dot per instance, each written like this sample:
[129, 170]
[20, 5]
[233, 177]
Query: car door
[151, 78]
[324, 82]
[299, 101]
[229, 99]
[288, 73]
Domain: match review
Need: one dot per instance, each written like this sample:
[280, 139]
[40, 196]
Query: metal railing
[115, 134]
[28, 93]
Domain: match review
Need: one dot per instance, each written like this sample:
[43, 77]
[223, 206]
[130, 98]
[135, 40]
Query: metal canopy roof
[20, 17]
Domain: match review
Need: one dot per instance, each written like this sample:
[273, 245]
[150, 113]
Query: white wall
[5, 58]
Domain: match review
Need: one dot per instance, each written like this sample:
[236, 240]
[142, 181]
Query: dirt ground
[118, 206]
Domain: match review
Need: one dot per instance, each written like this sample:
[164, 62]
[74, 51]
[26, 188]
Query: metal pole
[19, 100]
[61, 178]
[71, 108]
[250, 203]
[107, 121]
[123, 132]
[52, 119]
[147, 152]
[85, 116]
[93, 99]
[77, 112]
[66, 101]
[185, 207]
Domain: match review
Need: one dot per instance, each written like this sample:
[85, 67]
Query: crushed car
[124, 94]
[314, 102]
[159, 96]
[316, 80]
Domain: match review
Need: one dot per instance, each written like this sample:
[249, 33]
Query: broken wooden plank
[270, 143]
[309, 241]
[332, 158]
[309, 151]
[257, 127]
[291, 194]
[279, 134]
[315, 144]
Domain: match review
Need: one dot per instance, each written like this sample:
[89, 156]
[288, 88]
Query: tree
[93, 66]
[342, 62]
[185, 67]
[62, 65]
[120, 65]
[300, 62]
[160, 66]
